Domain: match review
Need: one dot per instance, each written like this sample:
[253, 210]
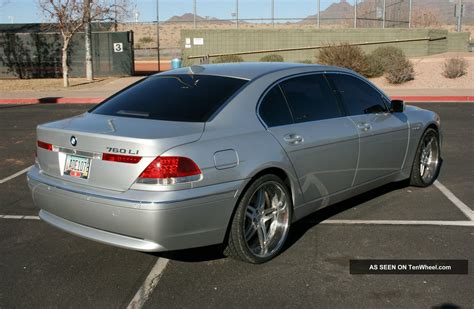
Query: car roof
[248, 70]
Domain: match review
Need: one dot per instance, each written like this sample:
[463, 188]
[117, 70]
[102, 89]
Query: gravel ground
[428, 74]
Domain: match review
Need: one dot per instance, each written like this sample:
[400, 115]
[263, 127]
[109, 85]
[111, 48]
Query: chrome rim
[267, 219]
[429, 158]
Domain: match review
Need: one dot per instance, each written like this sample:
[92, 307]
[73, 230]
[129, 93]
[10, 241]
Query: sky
[27, 11]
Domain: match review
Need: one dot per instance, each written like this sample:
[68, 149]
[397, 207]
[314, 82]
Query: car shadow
[298, 229]
[302, 226]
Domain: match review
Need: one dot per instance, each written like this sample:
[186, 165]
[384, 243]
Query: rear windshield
[188, 98]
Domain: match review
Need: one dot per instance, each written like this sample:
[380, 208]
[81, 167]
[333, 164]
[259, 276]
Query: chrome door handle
[364, 126]
[293, 139]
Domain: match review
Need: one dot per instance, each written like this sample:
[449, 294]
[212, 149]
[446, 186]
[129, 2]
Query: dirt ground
[428, 74]
[40, 84]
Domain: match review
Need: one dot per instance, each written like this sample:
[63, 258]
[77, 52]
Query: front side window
[274, 110]
[187, 98]
[358, 96]
[310, 98]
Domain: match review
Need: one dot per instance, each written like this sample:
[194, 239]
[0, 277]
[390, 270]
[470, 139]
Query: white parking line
[19, 217]
[15, 175]
[400, 222]
[459, 204]
[149, 284]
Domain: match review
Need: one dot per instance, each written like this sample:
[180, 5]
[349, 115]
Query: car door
[383, 135]
[320, 141]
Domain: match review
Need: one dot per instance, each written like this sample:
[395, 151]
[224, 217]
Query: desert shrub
[306, 61]
[386, 55]
[455, 67]
[399, 71]
[344, 55]
[145, 40]
[228, 59]
[375, 66]
[272, 58]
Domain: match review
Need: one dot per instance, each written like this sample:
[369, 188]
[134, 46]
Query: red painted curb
[415, 98]
[58, 100]
[53, 100]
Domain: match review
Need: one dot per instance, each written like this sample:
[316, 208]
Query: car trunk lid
[96, 135]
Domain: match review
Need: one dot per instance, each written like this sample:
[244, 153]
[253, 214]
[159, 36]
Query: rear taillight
[170, 170]
[121, 158]
[45, 145]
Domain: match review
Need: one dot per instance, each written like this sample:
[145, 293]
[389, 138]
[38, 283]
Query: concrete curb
[60, 100]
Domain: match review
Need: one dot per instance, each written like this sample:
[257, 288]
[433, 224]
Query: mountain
[189, 17]
[333, 12]
[341, 11]
[444, 9]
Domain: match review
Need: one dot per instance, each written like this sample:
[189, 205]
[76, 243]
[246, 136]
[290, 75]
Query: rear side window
[310, 98]
[188, 98]
[274, 110]
[359, 97]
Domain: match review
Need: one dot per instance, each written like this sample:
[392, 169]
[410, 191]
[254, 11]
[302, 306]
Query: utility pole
[318, 16]
[158, 34]
[194, 14]
[355, 13]
[88, 39]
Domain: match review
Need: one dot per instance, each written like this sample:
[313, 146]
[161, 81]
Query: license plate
[77, 166]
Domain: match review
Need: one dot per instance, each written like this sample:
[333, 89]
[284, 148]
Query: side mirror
[397, 106]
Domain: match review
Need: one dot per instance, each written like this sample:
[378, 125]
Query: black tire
[416, 178]
[237, 246]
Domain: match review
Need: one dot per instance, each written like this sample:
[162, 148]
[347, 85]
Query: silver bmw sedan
[228, 153]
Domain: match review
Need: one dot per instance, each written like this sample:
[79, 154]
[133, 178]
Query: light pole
[115, 15]
[158, 33]
[409, 13]
[383, 15]
[273, 13]
[355, 13]
[318, 16]
[194, 14]
[459, 11]
[237, 14]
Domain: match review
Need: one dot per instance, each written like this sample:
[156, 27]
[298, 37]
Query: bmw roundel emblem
[73, 140]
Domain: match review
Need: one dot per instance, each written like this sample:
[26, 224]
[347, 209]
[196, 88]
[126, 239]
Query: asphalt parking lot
[43, 267]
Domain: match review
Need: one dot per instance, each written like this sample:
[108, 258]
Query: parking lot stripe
[31, 218]
[149, 284]
[15, 175]
[19, 217]
[400, 222]
[13, 217]
[459, 204]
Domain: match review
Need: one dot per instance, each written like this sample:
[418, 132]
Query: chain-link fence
[284, 14]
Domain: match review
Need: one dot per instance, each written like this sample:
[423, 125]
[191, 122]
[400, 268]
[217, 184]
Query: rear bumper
[139, 220]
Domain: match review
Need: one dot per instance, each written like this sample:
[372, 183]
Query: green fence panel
[38, 54]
